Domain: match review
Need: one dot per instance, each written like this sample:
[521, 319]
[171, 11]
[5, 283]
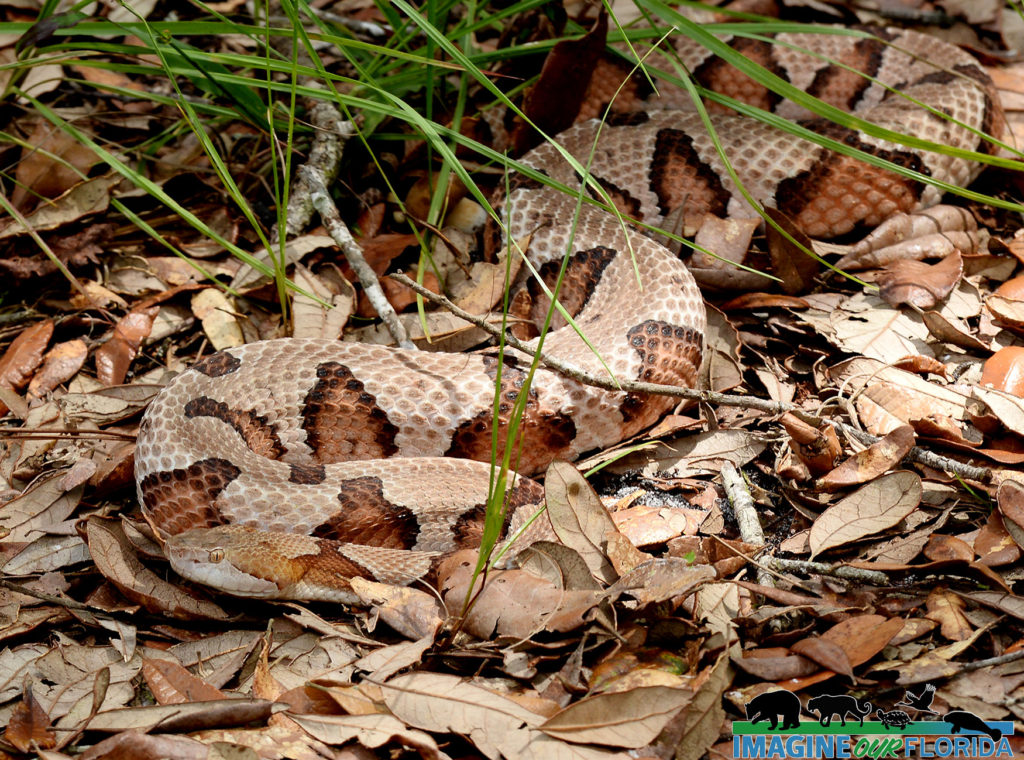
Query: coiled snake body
[283, 469]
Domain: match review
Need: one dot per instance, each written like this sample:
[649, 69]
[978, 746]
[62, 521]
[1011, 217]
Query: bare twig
[325, 156]
[823, 568]
[354, 254]
[917, 454]
[746, 513]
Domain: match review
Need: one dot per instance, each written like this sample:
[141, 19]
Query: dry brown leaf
[384, 662]
[920, 284]
[410, 611]
[1007, 407]
[28, 727]
[60, 364]
[554, 102]
[171, 684]
[861, 637]
[217, 314]
[994, 545]
[661, 579]
[727, 238]
[115, 356]
[1007, 312]
[398, 295]
[914, 236]
[696, 728]
[36, 513]
[1010, 503]
[116, 559]
[373, 731]
[53, 162]
[512, 602]
[193, 716]
[795, 268]
[630, 719]
[817, 447]
[887, 397]
[947, 609]
[878, 506]
[876, 459]
[135, 745]
[694, 455]
[578, 517]
[23, 356]
[310, 319]
[776, 668]
[646, 525]
[89, 197]
[1004, 371]
[826, 653]
[1008, 603]
[941, 547]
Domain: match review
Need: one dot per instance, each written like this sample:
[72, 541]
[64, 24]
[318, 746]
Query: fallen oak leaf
[878, 506]
[919, 284]
[876, 459]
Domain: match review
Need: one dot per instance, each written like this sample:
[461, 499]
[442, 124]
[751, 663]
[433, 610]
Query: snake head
[223, 558]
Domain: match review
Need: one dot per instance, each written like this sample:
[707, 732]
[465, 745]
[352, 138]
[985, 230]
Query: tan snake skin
[285, 468]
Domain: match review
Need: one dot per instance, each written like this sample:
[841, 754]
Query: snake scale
[285, 468]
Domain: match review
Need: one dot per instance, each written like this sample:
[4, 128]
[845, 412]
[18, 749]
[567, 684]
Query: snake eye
[216, 555]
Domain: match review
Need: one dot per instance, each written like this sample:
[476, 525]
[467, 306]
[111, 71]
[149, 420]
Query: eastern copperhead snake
[284, 468]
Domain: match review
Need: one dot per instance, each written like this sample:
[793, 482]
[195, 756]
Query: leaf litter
[889, 492]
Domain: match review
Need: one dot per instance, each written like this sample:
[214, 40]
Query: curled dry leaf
[919, 284]
[1004, 371]
[887, 397]
[23, 356]
[931, 233]
[817, 447]
[115, 356]
[942, 548]
[193, 716]
[795, 268]
[868, 464]
[1010, 504]
[133, 744]
[994, 545]
[60, 364]
[410, 611]
[372, 731]
[1007, 407]
[878, 506]
[661, 579]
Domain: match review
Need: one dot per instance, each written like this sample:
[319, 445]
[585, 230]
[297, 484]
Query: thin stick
[354, 254]
[746, 514]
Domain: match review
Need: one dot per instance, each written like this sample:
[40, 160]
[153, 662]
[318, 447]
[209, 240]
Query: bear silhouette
[770, 705]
